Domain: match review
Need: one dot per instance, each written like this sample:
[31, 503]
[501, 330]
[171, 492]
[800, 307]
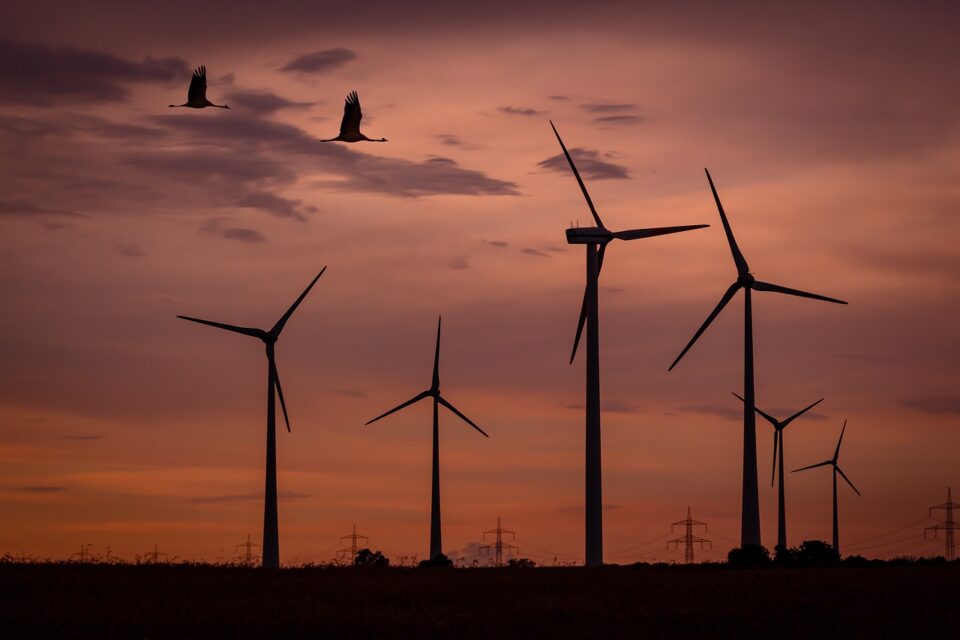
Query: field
[181, 601]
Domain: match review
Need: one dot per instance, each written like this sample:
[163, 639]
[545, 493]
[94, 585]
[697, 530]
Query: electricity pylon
[353, 548]
[154, 556]
[247, 556]
[498, 547]
[949, 526]
[688, 539]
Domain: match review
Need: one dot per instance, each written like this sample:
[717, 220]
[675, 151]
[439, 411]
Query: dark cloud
[500, 244]
[619, 119]
[245, 497]
[276, 206]
[40, 489]
[262, 102]
[42, 75]
[460, 262]
[456, 141]
[530, 251]
[130, 250]
[589, 163]
[320, 61]
[560, 98]
[933, 404]
[725, 412]
[19, 208]
[357, 171]
[605, 107]
[521, 111]
[220, 228]
[81, 437]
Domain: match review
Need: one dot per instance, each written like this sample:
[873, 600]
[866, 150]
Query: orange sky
[832, 136]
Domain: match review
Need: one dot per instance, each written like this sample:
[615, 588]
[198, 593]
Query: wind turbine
[778, 427]
[436, 547]
[750, 505]
[836, 469]
[596, 239]
[271, 533]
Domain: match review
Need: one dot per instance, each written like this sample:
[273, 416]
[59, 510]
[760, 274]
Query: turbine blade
[583, 306]
[277, 328]
[276, 381]
[441, 400]
[636, 234]
[801, 412]
[840, 471]
[416, 398]
[706, 323]
[576, 173]
[766, 286]
[776, 442]
[247, 331]
[766, 416]
[436, 357]
[836, 453]
[580, 323]
[813, 466]
[738, 259]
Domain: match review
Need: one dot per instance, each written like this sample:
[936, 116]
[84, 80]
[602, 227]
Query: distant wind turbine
[594, 237]
[836, 469]
[436, 546]
[271, 533]
[197, 94]
[350, 125]
[778, 427]
[750, 505]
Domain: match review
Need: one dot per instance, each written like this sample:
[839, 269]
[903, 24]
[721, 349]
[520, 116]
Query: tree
[749, 555]
[812, 552]
[368, 558]
[521, 563]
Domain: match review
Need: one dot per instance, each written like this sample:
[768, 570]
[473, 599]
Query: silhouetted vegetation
[521, 563]
[750, 555]
[439, 560]
[368, 558]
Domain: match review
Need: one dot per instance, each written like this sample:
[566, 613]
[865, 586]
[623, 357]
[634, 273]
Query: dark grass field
[187, 601]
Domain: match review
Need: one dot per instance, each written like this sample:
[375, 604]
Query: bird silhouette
[197, 94]
[350, 125]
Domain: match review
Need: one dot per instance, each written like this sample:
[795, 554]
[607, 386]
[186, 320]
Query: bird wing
[198, 85]
[351, 115]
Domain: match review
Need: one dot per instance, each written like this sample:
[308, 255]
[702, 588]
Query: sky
[831, 132]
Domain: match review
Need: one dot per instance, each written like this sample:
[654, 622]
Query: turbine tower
[271, 533]
[778, 427]
[434, 392]
[596, 240]
[836, 469]
[750, 501]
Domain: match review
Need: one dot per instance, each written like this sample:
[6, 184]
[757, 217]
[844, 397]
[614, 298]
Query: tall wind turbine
[750, 505]
[836, 469]
[596, 239]
[778, 427]
[271, 533]
[436, 547]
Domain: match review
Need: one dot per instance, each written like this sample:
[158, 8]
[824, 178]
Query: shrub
[439, 560]
[749, 555]
[368, 558]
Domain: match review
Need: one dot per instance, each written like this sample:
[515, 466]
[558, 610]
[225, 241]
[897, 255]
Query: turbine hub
[746, 280]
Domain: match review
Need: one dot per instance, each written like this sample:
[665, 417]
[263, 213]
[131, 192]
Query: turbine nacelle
[588, 235]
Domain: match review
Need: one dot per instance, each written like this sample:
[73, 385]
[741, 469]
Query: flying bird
[197, 94]
[350, 125]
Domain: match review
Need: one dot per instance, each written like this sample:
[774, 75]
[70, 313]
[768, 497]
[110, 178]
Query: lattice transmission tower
[354, 547]
[948, 526]
[688, 539]
[499, 546]
[247, 557]
[154, 556]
